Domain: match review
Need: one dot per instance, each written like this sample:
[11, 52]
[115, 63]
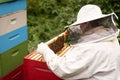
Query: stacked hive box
[35, 67]
[13, 39]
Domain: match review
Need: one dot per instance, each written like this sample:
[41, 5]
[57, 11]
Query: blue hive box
[13, 38]
[12, 6]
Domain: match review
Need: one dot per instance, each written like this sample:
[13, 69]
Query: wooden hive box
[35, 67]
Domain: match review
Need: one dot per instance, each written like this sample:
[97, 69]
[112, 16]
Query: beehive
[35, 67]
[57, 44]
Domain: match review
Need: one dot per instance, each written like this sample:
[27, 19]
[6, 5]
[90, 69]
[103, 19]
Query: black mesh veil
[106, 25]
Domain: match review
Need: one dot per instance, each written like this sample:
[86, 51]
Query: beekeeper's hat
[88, 13]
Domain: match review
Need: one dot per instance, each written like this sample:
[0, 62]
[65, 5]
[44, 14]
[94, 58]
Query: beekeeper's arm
[67, 65]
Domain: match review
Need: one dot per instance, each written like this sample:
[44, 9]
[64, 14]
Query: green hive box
[12, 58]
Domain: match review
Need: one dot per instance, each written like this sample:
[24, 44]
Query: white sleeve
[84, 61]
[76, 60]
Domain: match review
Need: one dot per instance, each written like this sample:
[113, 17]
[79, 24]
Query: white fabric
[88, 13]
[44, 50]
[97, 34]
[97, 59]
[93, 60]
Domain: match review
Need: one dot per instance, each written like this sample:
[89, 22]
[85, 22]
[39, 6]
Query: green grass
[2, 1]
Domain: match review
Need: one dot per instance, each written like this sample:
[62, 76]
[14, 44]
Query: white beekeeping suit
[95, 56]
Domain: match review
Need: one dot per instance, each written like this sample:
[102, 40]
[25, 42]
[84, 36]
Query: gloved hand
[46, 52]
[42, 47]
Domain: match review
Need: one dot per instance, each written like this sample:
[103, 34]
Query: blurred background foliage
[47, 18]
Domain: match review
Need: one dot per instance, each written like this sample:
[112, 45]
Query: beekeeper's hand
[42, 47]
[46, 52]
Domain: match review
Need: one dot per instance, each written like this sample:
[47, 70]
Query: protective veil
[95, 56]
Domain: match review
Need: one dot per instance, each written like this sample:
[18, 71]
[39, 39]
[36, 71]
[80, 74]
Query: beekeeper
[95, 55]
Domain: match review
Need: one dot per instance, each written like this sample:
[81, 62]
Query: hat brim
[83, 21]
